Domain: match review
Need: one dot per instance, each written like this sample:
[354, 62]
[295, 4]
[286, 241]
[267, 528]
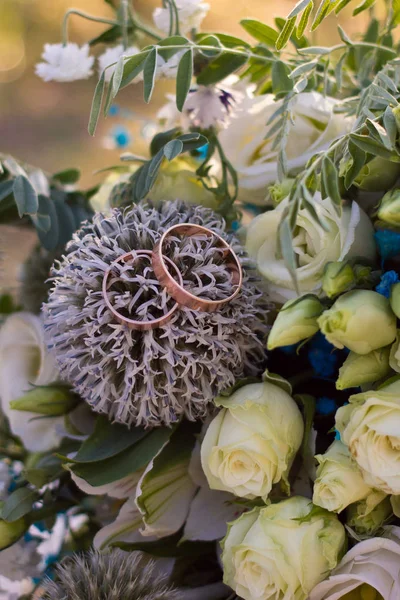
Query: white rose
[348, 235]
[339, 480]
[282, 551]
[371, 568]
[248, 148]
[251, 443]
[370, 427]
[190, 15]
[24, 363]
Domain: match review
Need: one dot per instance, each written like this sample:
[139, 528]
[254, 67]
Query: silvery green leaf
[286, 33]
[18, 504]
[318, 50]
[220, 68]
[210, 40]
[301, 27]
[344, 37]
[47, 237]
[149, 74]
[299, 7]
[184, 78]
[173, 149]
[380, 92]
[260, 31]
[303, 68]
[96, 104]
[132, 67]
[363, 6]
[280, 78]
[301, 85]
[388, 82]
[6, 188]
[117, 76]
[286, 246]
[324, 9]
[13, 167]
[389, 123]
[25, 196]
[331, 181]
[67, 176]
[339, 71]
[342, 4]
[371, 146]
[379, 133]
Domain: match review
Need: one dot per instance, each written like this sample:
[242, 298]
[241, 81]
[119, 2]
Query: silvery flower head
[68, 62]
[113, 576]
[152, 377]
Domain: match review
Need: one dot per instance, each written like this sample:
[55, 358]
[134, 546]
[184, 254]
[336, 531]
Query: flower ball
[152, 377]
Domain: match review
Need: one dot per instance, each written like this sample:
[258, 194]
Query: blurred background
[45, 124]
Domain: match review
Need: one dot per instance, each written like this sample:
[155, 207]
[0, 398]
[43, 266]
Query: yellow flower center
[363, 592]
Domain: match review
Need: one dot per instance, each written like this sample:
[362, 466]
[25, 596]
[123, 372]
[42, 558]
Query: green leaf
[220, 68]
[132, 67]
[286, 33]
[149, 74]
[210, 40]
[174, 40]
[261, 32]
[286, 247]
[25, 196]
[117, 76]
[344, 37]
[96, 104]
[358, 160]
[112, 34]
[277, 380]
[373, 147]
[169, 547]
[68, 176]
[49, 238]
[281, 81]
[342, 4]
[323, 10]
[228, 41]
[303, 68]
[173, 149]
[299, 7]
[6, 188]
[331, 181]
[317, 50]
[389, 123]
[184, 78]
[136, 457]
[363, 6]
[108, 440]
[18, 504]
[301, 27]
[160, 139]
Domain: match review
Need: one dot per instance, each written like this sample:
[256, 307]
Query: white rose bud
[338, 277]
[369, 571]
[282, 551]
[389, 209]
[296, 321]
[370, 427]
[252, 442]
[347, 235]
[395, 299]
[339, 480]
[361, 320]
[363, 368]
[369, 515]
[378, 175]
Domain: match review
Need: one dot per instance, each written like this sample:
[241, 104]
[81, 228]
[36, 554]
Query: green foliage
[18, 504]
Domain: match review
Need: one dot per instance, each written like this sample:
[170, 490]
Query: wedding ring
[133, 256]
[176, 289]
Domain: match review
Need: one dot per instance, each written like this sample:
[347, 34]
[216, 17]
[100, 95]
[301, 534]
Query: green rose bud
[370, 427]
[281, 551]
[363, 368]
[367, 516]
[389, 208]
[339, 480]
[378, 175]
[337, 278]
[280, 190]
[252, 442]
[11, 532]
[361, 320]
[394, 358]
[395, 503]
[52, 401]
[395, 299]
[296, 321]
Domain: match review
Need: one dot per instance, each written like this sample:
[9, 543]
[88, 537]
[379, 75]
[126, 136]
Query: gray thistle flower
[34, 277]
[114, 576]
[153, 377]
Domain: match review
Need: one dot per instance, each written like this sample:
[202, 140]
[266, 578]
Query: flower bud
[394, 358]
[296, 321]
[52, 401]
[280, 190]
[361, 320]
[378, 175]
[363, 368]
[395, 299]
[11, 532]
[362, 274]
[337, 278]
[367, 516]
[339, 480]
[389, 209]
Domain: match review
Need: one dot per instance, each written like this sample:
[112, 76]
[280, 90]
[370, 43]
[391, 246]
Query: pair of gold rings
[171, 279]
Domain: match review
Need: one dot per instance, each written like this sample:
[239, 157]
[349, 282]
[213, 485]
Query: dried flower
[65, 63]
[113, 576]
[156, 376]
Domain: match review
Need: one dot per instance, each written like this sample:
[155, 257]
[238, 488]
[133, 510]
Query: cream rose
[251, 443]
[282, 551]
[348, 235]
[24, 363]
[368, 516]
[339, 480]
[369, 571]
[370, 427]
[314, 126]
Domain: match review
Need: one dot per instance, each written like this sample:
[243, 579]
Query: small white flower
[190, 14]
[65, 63]
[208, 106]
[111, 56]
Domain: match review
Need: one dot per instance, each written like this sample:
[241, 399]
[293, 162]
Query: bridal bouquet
[200, 378]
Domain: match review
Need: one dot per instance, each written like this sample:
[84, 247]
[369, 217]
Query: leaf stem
[124, 23]
[79, 13]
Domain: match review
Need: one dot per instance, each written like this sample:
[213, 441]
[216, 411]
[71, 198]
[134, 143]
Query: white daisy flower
[111, 56]
[190, 14]
[65, 63]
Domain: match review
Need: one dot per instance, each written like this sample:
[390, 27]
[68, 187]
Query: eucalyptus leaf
[184, 78]
[173, 149]
[117, 76]
[286, 246]
[149, 74]
[331, 181]
[25, 196]
[96, 104]
[132, 67]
